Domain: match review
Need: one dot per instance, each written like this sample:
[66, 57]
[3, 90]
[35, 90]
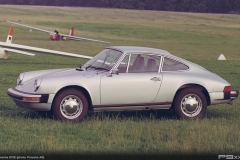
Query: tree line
[202, 6]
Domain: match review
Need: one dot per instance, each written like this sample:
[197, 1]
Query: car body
[123, 78]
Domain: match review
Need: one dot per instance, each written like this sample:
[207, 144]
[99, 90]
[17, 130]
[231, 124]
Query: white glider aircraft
[8, 46]
[56, 36]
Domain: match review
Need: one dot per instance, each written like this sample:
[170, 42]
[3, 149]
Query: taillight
[227, 90]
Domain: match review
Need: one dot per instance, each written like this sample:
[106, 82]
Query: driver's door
[138, 81]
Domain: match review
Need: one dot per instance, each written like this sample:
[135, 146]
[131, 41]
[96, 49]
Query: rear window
[172, 65]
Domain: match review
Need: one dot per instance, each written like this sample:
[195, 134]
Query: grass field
[200, 38]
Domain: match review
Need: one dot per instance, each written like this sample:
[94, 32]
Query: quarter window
[171, 65]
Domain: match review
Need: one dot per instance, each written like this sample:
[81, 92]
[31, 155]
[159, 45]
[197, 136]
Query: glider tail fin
[71, 31]
[10, 35]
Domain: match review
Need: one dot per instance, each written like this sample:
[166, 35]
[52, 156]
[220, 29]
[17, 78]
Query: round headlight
[37, 84]
[20, 78]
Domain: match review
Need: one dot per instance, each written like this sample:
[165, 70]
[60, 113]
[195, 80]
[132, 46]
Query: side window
[140, 63]
[135, 61]
[171, 65]
[122, 68]
[151, 63]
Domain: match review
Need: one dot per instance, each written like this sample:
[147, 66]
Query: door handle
[156, 79]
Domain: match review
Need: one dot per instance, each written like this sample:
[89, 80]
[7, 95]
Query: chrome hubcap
[71, 107]
[191, 105]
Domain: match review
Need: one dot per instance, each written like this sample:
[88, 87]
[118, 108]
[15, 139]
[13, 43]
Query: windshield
[105, 60]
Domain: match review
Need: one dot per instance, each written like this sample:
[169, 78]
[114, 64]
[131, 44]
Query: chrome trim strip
[161, 64]
[133, 104]
[132, 108]
[129, 58]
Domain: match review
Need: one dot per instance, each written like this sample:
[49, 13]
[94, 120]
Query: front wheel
[70, 105]
[190, 104]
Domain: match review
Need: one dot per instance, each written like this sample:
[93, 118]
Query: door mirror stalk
[114, 71]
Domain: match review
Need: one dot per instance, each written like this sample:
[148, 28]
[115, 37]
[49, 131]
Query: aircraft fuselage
[57, 37]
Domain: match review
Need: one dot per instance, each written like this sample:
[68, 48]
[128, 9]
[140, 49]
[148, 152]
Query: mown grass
[200, 38]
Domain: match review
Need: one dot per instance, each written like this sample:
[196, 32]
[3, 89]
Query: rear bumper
[223, 97]
[234, 94]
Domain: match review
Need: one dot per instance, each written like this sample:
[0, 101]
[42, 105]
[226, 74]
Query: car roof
[134, 49]
[131, 49]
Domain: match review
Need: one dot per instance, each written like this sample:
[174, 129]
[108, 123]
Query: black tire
[70, 105]
[190, 104]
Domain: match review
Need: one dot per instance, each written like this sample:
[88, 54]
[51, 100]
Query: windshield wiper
[102, 68]
[98, 68]
[79, 68]
[90, 66]
[84, 68]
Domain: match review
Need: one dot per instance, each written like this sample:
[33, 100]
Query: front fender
[91, 85]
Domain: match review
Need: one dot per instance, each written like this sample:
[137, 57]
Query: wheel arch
[195, 86]
[79, 88]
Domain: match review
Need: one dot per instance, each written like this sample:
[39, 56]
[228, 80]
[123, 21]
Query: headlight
[37, 84]
[20, 78]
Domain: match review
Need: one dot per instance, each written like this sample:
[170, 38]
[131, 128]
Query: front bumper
[38, 102]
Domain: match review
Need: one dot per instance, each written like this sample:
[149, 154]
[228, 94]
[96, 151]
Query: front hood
[35, 74]
[70, 73]
[54, 77]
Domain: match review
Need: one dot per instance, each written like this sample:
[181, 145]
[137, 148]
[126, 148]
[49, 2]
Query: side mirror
[114, 71]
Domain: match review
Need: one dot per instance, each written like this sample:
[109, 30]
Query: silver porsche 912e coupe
[122, 78]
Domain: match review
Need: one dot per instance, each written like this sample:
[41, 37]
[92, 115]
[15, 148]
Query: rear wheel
[190, 104]
[70, 105]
